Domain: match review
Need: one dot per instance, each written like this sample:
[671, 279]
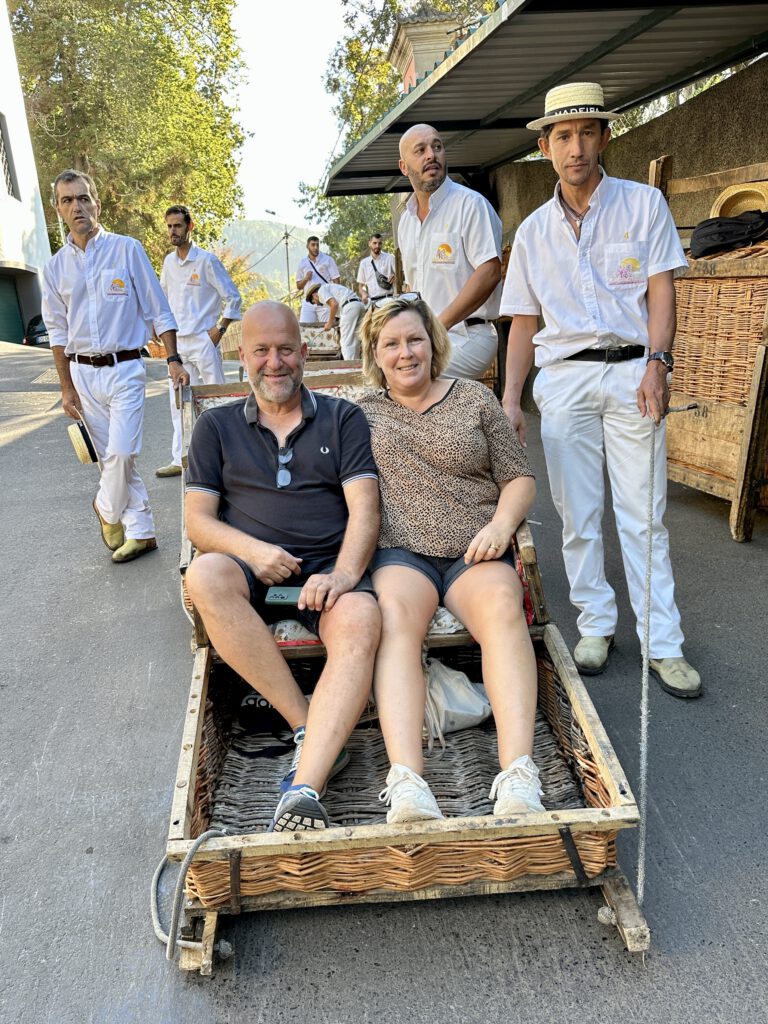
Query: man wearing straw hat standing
[205, 301]
[99, 292]
[596, 263]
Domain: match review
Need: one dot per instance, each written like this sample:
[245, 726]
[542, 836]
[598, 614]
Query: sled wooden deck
[361, 859]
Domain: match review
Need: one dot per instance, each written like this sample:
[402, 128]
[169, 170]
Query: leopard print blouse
[440, 470]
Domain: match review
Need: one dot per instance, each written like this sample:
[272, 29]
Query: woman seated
[455, 484]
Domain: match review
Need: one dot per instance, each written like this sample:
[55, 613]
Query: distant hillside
[261, 241]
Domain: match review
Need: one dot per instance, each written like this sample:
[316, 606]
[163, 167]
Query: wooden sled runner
[224, 780]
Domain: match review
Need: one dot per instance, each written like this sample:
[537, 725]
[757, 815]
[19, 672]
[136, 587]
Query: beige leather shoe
[591, 654]
[134, 549]
[677, 676]
[111, 533]
[172, 470]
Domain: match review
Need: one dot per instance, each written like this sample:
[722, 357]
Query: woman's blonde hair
[373, 324]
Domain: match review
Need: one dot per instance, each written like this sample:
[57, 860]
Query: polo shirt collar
[308, 407]
[191, 255]
[595, 200]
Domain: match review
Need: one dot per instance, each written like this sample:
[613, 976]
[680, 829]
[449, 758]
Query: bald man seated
[282, 492]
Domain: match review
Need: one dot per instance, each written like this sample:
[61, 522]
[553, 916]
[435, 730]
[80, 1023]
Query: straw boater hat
[310, 290]
[738, 199]
[574, 100]
[82, 442]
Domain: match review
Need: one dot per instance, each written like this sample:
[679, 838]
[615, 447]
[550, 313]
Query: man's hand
[70, 403]
[274, 564]
[491, 542]
[329, 326]
[178, 375]
[653, 393]
[516, 417]
[322, 591]
[215, 334]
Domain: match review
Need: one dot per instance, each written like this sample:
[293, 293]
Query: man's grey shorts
[308, 617]
[441, 572]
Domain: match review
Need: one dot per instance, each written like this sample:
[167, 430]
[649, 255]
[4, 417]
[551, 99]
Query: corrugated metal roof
[492, 83]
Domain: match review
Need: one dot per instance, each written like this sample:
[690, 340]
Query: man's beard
[280, 391]
[433, 184]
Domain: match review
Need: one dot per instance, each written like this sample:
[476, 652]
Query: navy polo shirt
[233, 456]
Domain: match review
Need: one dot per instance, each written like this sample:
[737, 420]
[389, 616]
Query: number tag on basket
[452, 703]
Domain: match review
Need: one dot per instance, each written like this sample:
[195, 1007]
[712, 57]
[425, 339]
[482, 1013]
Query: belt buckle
[111, 359]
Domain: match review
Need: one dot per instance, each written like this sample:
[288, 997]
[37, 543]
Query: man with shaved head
[282, 492]
[450, 241]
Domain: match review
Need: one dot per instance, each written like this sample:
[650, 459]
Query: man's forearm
[168, 339]
[62, 367]
[209, 534]
[519, 356]
[476, 291]
[660, 301]
[362, 528]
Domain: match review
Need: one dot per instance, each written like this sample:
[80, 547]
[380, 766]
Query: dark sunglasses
[283, 474]
[405, 297]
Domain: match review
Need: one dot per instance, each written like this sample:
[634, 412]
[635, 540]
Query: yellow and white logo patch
[194, 279]
[444, 253]
[117, 286]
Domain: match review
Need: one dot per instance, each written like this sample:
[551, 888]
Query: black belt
[375, 298]
[474, 320]
[610, 355]
[346, 302]
[107, 360]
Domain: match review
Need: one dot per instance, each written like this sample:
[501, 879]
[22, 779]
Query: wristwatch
[174, 359]
[221, 328]
[663, 357]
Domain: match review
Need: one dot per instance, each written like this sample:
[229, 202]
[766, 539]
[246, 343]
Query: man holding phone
[282, 492]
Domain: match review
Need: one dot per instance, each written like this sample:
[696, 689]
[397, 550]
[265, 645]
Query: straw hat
[574, 100]
[82, 443]
[738, 199]
[310, 290]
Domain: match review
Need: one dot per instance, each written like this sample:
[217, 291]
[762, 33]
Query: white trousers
[349, 319]
[112, 398]
[473, 349]
[589, 417]
[202, 361]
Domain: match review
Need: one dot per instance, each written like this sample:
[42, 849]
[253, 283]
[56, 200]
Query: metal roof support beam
[564, 74]
[470, 126]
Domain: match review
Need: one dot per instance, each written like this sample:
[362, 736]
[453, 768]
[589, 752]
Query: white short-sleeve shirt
[385, 264]
[199, 290]
[324, 269]
[339, 292]
[592, 292]
[460, 232]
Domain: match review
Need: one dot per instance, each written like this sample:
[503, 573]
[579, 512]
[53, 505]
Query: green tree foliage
[136, 93]
[365, 86]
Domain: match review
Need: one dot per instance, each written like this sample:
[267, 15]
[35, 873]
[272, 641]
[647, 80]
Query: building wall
[726, 126]
[24, 248]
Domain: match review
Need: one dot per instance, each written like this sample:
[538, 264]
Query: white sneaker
[410, 797]
[517, 789]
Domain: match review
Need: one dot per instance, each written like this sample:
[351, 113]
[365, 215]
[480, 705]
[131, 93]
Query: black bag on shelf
[721, 234]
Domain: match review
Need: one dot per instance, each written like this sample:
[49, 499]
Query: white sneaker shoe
[517, 789]
[410, 797]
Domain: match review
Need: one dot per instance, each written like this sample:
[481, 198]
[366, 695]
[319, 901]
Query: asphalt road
[95, 672]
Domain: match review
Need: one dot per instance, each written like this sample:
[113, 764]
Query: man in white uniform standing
[450, 240]
[596, 262]
[205, 301]
[314, 268]
[376, 272]
[340, 302]
[99, 292]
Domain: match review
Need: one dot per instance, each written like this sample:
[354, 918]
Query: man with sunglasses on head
[282, 492]
[205, 301]
[450, 240]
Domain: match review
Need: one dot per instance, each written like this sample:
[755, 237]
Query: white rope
[644, 710]
[644, 699]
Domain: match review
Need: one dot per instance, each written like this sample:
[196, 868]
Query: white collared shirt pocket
[115, 284]
[444, 247]
[626, 264]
